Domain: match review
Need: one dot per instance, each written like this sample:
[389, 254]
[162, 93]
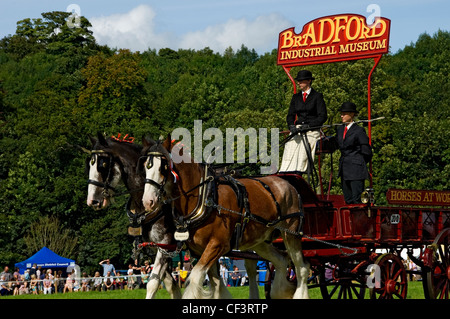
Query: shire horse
[113, 160]
[273, 203]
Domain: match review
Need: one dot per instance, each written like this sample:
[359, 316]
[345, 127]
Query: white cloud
[135, 30]
[260, 34]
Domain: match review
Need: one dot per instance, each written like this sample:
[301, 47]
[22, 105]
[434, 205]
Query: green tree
[51, 32]
[413, 142]
[57, 86]
[113, 97]
[37, 171]
[48, 232]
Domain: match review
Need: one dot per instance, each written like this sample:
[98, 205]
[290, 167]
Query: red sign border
[337, 58]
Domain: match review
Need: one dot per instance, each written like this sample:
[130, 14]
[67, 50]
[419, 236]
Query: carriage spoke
[393, 278]
[444, 290]
[398, 295]
[355, 291]
[397, 275]
[437, 280]
[340, 292]
[332, 292]
[348, 293]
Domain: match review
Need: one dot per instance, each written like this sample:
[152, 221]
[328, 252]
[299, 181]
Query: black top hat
[304, 75]
[348, 107]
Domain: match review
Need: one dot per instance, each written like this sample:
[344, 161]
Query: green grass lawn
[415, 291]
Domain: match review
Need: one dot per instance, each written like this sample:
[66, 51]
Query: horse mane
[158, 146]
[114, 144]
[126, 151]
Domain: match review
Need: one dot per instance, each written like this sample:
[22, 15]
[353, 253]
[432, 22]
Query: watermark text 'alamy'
[222, 148]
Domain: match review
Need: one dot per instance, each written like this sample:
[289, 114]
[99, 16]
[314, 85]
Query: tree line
[57, 86]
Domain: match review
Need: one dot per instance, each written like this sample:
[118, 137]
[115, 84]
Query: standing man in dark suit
[307, 113]
[356, 152]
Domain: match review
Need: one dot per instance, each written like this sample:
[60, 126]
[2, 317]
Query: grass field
[415, 291]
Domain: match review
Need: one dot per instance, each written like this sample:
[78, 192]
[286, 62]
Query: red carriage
[346, 241]
[341, 242]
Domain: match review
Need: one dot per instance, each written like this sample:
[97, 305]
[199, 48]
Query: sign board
[51, 264]
[418, 197]
[334, 38]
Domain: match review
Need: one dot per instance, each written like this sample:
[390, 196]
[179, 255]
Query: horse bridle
[106, 186]
[164, 169]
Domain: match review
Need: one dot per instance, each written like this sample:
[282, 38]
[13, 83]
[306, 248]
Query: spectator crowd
[37, 280]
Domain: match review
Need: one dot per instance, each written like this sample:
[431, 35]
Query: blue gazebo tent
[45, 258]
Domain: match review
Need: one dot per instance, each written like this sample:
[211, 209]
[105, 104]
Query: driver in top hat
[356, 152]
[307, 113]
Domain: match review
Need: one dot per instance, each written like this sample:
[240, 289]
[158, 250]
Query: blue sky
[195, 24]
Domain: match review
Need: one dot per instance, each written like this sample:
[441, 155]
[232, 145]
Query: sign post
[335, 38]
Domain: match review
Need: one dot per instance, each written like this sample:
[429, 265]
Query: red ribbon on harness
[175, 175]
[125, 138]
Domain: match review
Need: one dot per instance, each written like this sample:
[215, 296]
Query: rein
[184, 222]
[172, 199]
[288, 138]
[197, 216]
[105, 186]
[160, 186]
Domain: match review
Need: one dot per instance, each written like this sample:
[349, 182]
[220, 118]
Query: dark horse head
[112, 160]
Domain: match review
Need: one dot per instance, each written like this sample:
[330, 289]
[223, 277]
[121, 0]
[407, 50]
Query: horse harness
[205, 205]
[242, 199]
[136, 220]
[200, 213]
[207, 202]
[104, 168]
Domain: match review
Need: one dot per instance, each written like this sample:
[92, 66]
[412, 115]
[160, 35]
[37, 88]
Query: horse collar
[201, 211]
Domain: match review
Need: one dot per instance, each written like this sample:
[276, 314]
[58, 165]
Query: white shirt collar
[307, 91]
[349, 125]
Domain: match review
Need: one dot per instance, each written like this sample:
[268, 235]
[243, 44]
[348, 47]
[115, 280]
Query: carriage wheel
[393, 282]
[344, 284]
[437, 280]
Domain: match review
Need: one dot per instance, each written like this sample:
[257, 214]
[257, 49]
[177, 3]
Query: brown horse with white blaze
[273, 205]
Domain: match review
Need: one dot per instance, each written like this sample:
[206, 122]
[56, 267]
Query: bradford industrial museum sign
[334, 38]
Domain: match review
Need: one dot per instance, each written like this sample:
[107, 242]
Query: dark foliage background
[57, 85]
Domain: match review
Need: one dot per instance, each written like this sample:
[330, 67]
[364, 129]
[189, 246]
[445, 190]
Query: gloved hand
[293, 129]
[304, 128]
